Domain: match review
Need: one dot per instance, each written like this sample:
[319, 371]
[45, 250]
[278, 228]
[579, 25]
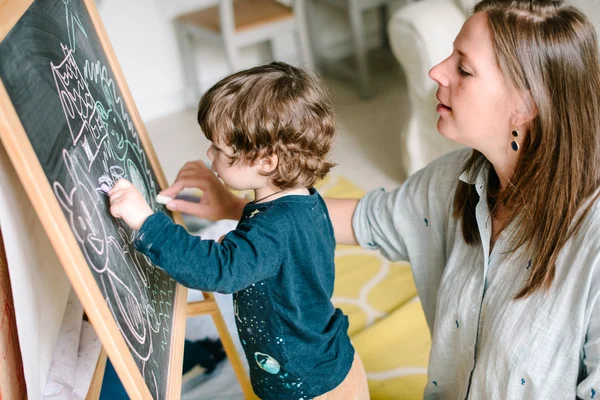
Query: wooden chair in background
[355, 10]
[239, 23]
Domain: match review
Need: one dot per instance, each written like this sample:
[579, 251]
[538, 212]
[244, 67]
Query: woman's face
[476, 104]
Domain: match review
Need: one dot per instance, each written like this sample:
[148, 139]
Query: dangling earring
[514, 144]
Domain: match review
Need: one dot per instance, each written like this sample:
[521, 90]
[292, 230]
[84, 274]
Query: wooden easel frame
[40, 193]
[208, 306]
[197, 308]
[38, 189]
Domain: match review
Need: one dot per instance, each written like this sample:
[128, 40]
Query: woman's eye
[462, 71]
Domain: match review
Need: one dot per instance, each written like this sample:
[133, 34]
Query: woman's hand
[127, 203]
[216, 203]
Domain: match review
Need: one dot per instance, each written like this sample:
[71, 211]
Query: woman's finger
[187, 207]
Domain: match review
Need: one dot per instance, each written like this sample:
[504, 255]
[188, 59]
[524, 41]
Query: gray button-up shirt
[485, 344]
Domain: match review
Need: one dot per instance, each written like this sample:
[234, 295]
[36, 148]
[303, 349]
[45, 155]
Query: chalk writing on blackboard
[64, 92]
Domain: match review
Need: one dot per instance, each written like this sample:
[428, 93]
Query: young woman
[503, 238]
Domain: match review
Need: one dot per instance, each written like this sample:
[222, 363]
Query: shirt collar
[477, 174]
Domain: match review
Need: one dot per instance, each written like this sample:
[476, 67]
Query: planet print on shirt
[267, 363]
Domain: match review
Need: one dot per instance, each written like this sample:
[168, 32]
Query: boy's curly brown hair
[273, 109]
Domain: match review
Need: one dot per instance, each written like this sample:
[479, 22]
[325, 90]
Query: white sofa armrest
[421, 35]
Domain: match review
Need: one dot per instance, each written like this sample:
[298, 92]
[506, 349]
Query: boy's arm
[246, 255]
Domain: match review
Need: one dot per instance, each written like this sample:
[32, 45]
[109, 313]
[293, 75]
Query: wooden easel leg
[96, 384]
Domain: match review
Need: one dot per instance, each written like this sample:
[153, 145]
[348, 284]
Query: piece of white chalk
[163, 199]
[105, 188]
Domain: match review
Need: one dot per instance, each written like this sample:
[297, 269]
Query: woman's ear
[525, 111]
[268, 164]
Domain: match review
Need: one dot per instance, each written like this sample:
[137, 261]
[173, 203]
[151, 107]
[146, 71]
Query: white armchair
[421, 35]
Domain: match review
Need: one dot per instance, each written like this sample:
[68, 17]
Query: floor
[366, 152]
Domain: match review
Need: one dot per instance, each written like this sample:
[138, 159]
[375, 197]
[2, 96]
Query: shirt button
[473, 309]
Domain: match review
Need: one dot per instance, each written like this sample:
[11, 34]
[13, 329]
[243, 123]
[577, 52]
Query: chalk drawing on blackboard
[87, 127]
[62, 82]
[81, 208]
[105, 148]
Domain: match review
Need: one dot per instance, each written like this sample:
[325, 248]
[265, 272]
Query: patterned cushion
[395, 352]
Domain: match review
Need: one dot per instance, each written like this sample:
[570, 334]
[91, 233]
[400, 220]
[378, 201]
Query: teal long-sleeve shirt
[279, 265]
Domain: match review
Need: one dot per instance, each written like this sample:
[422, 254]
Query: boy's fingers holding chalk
[123, 184]
[119, 185]
[115, 195]
[116, 207]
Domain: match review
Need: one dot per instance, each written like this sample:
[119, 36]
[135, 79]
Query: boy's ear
[268, 163]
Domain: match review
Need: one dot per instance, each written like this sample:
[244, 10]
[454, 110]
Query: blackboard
[71, 129]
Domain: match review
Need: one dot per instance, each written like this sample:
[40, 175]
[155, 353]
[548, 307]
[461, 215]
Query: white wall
[143, 38]
[146, 49]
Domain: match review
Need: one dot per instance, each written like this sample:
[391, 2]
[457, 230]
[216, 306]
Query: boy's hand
[127, 203]
[216, 203]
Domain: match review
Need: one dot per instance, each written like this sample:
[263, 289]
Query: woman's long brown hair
[549, 50]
